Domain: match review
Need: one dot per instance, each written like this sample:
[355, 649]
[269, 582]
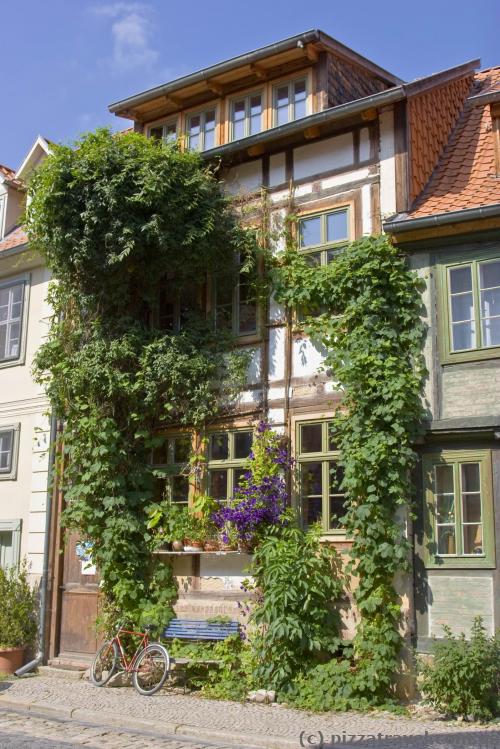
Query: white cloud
[131, 34]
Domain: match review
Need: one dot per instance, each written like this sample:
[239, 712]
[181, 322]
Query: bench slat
[199, 629]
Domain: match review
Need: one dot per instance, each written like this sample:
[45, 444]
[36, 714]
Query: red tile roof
[465, 175]
[15, 238]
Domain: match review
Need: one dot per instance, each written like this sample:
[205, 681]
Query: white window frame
[11, 474]
[201, 113]
[164, 124]
[291, 100]
[25, 280]
[246, 98]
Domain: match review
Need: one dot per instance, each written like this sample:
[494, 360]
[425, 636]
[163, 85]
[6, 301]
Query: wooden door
[79, 607]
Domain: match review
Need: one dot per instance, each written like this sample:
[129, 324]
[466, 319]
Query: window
[458, 508]
[322, 236]
[9, 443]
[166, 131]
[201, 130]
[11, 314]
[227, 453]
[176, 306]
[246, 116]
[10, 542]
[290, 101]
[472, 307]
[321, 497]
[173, 458]
[235, 305]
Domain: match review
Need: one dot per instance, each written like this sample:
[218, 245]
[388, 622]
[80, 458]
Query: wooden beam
[256, 150]
[215, 88]
[311, 53]
[369, 115]
[312, 132]
[261, 73]
[170, 99]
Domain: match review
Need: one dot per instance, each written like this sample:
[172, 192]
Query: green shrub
[294, 620]
[18, 609]
[464, 678]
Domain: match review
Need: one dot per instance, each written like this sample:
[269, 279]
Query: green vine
[369, 323]
[115, 218]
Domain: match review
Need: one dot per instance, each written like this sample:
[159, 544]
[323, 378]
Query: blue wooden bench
[197, 630]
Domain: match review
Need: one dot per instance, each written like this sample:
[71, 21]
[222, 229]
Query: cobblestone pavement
[272, 726]
[21, 730]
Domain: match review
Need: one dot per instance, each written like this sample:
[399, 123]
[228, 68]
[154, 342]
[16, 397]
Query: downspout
[46, 548]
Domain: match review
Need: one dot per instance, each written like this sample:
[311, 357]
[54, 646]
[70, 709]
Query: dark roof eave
[17, 250]
[397, 226]
[332, 114]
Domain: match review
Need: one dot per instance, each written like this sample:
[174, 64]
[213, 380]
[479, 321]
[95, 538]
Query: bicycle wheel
[104, 664]
[151, 669]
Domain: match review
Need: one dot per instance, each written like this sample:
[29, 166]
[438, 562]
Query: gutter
[333, 114]
[17, 250]
[46, 548]
[214, 70]
[441, 219]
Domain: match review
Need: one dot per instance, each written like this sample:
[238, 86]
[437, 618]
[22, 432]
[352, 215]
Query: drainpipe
[45, 575]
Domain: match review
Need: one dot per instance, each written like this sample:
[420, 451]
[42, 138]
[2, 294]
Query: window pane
[473, 539]
[471, 508]
[332, 254]
[311, 479]
[490, 303]
[337, 511]
[445, 508]
[170, 132]
[248, 317]
[4, 303]
[194, 142]
[446, 540]
[218, 484]
[13, 339]
[166, 308]
[309, 231]
[3, 341]
[210, 120]
[238, 130]
[219, 446]
[160, 489]
[463, 336]
[311, 438]
[312, 510]
[180, 488]
[239, 110]
[470, 477]
[17, 293]
[491, 331]
[460, 279]
[238, 476]
[336, 474]
[160, 454]
[444, 479]
[6, 549]
[182, 449]
[194, 125]
[299, 90]
[282, 114]
[332, 444]
[489, 275]
[209, 140]
[313, 258]
[242, 444]
[336, 226]
[462, 307]
[156, 133]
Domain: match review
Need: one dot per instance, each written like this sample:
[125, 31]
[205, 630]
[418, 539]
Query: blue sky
[64, 61]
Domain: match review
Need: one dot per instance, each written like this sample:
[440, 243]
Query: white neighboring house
[24, 419]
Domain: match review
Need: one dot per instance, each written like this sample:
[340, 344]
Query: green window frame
[171, 462]
[9, 451]
[201, 128]
[166, 131]
[290, 101]
[458, 509]
[319, 496]
[10, 543]
[322, 236]
[247, 114]
[227, 453]
[470, 307]
[235, 306]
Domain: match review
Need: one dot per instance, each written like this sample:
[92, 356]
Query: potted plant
[206, 506]
[194, 533]
[18, 620]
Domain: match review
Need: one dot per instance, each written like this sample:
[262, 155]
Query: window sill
[471, 356]
[457, 563]
[12, 362]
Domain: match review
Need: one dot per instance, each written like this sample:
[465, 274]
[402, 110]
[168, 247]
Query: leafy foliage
[294, 621]
[369, 323]
[464, 677]
[18, 612]
[116, 218]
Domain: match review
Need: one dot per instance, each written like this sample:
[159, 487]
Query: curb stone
[168, 729]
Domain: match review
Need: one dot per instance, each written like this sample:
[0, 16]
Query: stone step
[58, 672]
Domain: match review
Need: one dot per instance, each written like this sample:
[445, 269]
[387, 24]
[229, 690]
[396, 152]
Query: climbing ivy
[365, 311]
[115, 217]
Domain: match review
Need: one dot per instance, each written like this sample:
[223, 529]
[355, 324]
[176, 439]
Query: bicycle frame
[128, 665]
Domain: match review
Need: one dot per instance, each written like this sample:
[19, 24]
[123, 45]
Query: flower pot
[191, 544]
[211, 545]
[11, 659]
[245, 547]
[177, 546]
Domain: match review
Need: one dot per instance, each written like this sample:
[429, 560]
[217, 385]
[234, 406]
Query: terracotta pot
[227, 547]
[177, 546]
[11, 659]
[191, 544]
[211, 545]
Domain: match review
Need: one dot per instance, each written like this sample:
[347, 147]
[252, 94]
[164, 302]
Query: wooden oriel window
[166, 131]
[246, 116]
[290, 101]
[201, 130]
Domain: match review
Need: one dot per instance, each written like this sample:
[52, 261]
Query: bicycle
[149, 665]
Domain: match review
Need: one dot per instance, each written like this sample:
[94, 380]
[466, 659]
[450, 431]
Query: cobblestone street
[73, 713]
